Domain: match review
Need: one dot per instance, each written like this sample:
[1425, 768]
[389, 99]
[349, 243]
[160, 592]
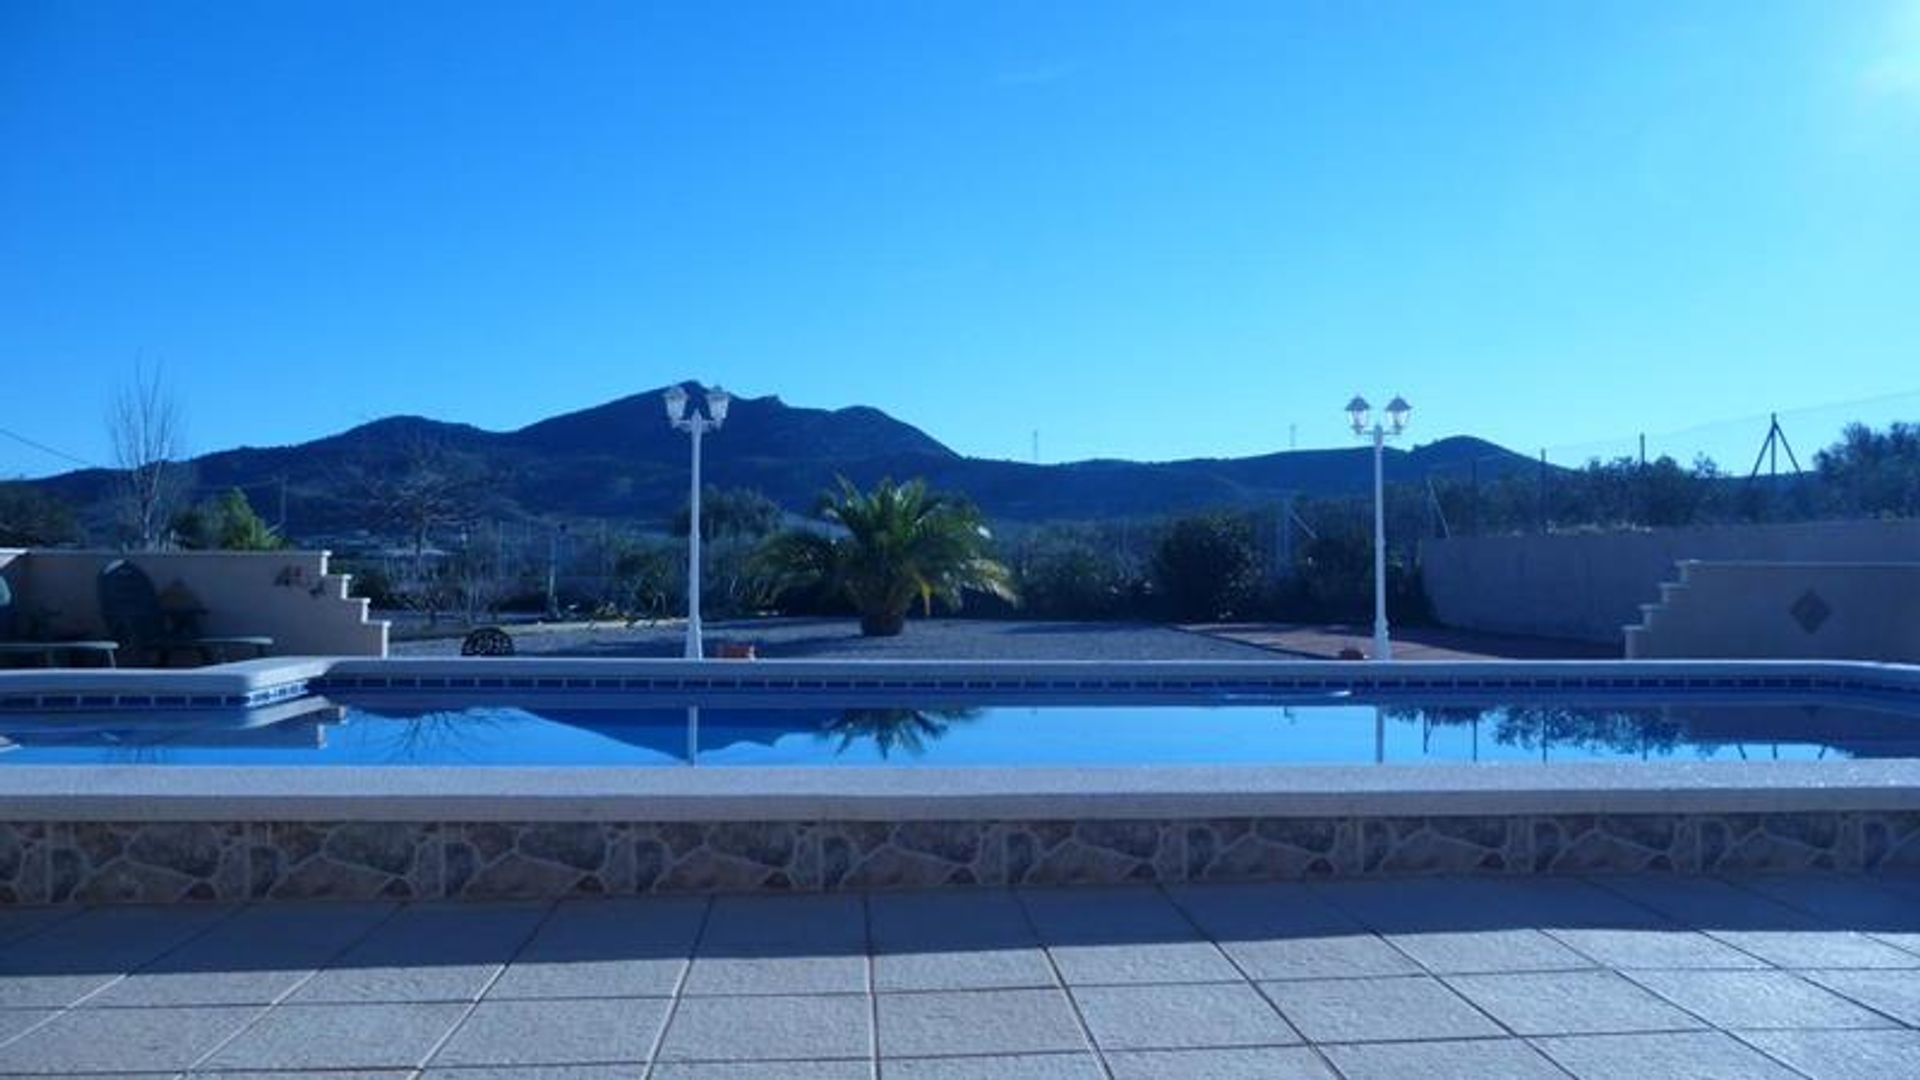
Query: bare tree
[422, 488]
[146, 429]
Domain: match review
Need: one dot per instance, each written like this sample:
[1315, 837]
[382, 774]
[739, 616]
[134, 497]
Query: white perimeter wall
[286, 595]
[1846, 611]
[1588, 586]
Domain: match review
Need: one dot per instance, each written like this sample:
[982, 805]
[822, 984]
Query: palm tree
[891, 546]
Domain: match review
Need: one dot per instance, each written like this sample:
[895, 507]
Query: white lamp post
[696, 422]
[1360, 414]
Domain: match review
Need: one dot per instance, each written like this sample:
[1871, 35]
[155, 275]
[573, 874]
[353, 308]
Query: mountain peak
[623, 461]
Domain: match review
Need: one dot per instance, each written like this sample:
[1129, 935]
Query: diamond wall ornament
[1810, 611]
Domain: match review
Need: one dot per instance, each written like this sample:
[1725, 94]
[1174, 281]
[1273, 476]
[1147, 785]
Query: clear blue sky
[1150, 230]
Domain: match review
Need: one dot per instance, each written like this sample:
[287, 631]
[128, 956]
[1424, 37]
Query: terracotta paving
[1412, 643]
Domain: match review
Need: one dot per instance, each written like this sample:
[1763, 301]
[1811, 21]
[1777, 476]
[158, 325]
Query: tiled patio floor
[1629, 978]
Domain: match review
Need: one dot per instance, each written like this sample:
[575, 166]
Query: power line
[45, 449]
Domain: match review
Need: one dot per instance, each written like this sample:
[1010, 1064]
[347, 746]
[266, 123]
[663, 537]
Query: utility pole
[553, 572]
[1543, 489]
[1770, 448]
[1283, 537]
[1473, 482]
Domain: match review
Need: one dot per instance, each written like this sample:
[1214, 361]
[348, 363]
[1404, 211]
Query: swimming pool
[563, 729]
[492, 779]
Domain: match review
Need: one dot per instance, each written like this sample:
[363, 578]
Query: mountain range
[621, 461]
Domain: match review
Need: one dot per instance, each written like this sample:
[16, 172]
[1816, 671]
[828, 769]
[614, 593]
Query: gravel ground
[924, 639]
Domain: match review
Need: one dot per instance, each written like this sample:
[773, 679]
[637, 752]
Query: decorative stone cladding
[166, 862]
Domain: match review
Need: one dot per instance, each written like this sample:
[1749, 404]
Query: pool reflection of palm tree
[888, 730]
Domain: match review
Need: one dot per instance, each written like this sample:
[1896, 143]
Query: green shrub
[1205, 567]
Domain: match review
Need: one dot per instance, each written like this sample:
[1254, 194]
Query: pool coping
[801, 794]
[252, 683]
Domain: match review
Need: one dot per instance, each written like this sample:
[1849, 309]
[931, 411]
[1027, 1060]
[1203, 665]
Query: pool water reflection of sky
[323, 733]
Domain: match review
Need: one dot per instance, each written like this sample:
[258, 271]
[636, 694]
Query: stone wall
[167, 862]
[1589, 586]
[290, 596]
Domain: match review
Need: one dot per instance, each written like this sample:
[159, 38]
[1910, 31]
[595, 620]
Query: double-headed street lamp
[1360, 414]
[696, 422]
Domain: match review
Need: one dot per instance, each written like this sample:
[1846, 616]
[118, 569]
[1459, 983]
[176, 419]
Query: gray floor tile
[1820, 948]
[1285, 931]
[1855, 903]
[129, 1040]
[519, 1073]
[1142, 962]
[1757, 999]
[977, 1022]
[112, 1076]
[1329, 956]
[761, 1070]
[995, 1067]
[368, 984]
[1774, 932]
[1475, 951]
[761, 1028]
[340, 1037]
[963, 969]
[1691, 1055]
[293, 933]
[606, 948]
[243, 987]
[116, 939]
[1451, 925]
[1564, 903]
[563, 1032]
[1181, 1017]
[1899, 882]
[1570, 1002]
[948, 921]
[586, 978]
[1365, 1010]
[1084, 916]
[1105, 936]
[15, 1021]
[1236, 1063]
[826, 924]
[302, 1074]
[1422, 905]
[795, 974]
[1260, 910]
[253, 958]
[1895, 993]
[644, 927]
[51, 991]
[1678, 948]
[1474, 1059]
[19, 923]
[430, 952]
[1843, 1055]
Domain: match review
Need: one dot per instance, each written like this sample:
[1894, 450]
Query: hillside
[621, 461]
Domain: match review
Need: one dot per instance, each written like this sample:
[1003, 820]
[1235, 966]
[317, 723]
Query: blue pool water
[372, 732]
